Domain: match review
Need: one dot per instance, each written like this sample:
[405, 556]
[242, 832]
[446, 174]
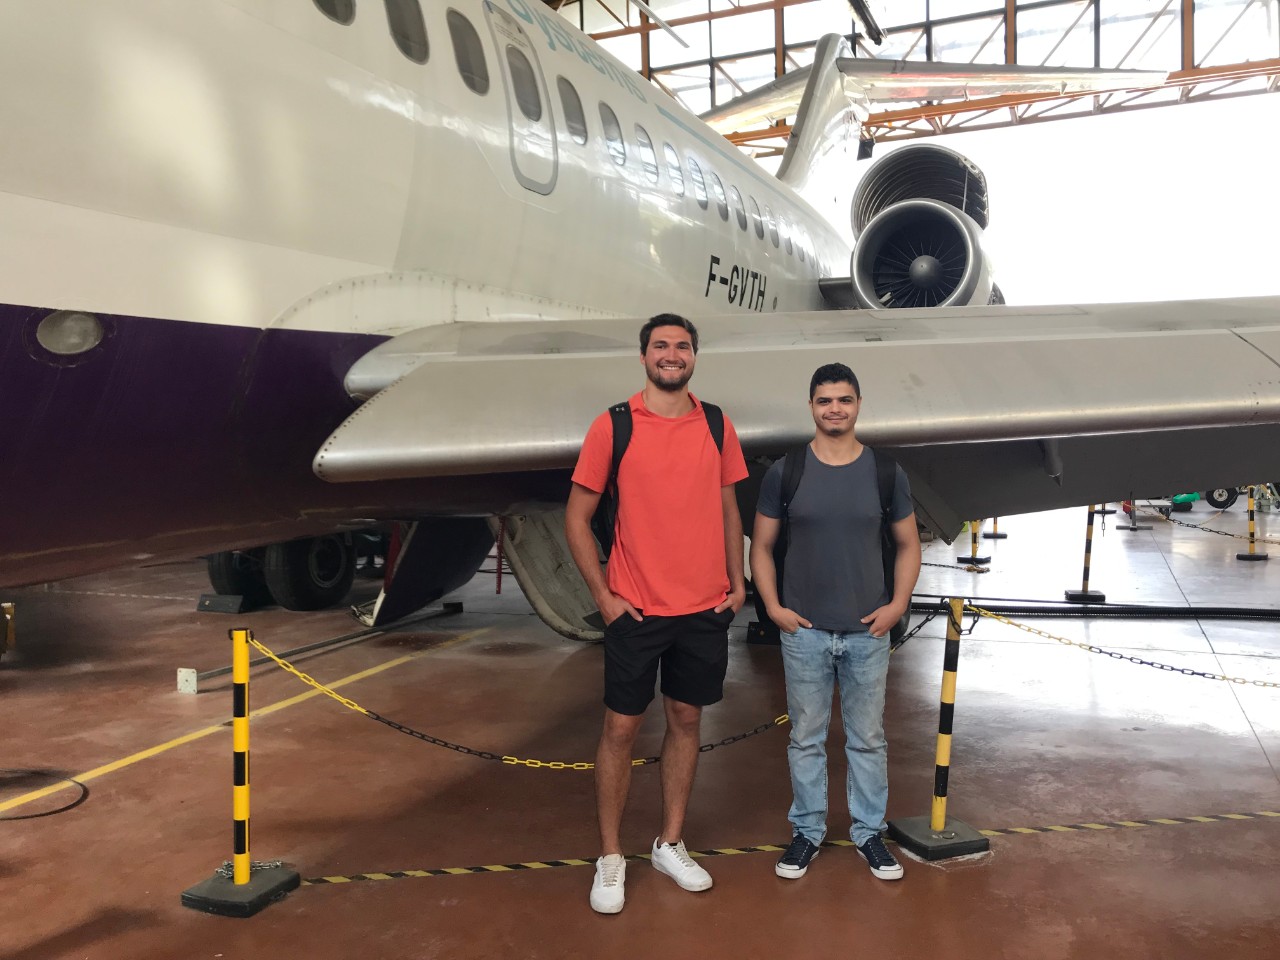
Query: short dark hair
[833, 373]
[667, 320]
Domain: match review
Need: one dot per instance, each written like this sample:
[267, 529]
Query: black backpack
[886, 478]
[603, 523]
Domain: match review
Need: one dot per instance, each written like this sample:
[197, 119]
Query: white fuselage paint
[254, 163]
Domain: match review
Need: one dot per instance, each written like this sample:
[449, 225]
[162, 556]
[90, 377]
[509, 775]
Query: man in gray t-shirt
[834, 614]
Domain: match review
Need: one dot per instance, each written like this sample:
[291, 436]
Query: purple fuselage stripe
[175, 439]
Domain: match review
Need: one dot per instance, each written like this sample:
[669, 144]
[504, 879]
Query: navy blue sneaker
[793, 864]
[880, 860]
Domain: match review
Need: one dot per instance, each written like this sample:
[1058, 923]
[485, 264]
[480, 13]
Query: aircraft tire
[1222, 497]
[239, 573]
[310, 574]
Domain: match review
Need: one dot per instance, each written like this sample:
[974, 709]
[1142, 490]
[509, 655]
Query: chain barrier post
[973, 558]
[1134, 526]
[1253, 554]
[9, 636]
[937, 837]
[995, 533]
[246, 891]
[1084, 594]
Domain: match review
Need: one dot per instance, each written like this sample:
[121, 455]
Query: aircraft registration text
[743, 287]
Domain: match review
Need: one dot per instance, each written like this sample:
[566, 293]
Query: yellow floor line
[186, 738]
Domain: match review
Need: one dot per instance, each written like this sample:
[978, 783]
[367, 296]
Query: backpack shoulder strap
[715, 423]
[886, 480]
[620, 414]
[792, 471]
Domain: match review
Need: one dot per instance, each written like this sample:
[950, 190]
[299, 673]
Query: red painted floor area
[1047, 735]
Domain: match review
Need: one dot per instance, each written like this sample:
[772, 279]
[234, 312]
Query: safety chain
[967, 568]
[486, 754]
[1185, 671]
[1196, 526]
[227, 871]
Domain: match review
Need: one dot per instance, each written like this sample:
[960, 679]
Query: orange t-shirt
[668, 552]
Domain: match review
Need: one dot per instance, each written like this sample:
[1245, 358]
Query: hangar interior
[1125, 769]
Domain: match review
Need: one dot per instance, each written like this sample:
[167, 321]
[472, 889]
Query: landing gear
[311, 573]
[1222, 497]
[239, 573]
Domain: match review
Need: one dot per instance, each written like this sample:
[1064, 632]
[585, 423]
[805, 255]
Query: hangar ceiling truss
[1213, 49]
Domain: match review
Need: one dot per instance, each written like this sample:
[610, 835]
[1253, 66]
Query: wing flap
[962, 376]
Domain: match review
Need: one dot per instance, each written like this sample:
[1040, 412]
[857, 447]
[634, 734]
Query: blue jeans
[814, 660]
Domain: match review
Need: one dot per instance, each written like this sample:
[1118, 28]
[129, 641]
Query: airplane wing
[993, 410]
[873, 81]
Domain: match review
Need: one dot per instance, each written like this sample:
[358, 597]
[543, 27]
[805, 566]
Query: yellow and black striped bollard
[1254, 553]
[247, 891]
[937, 837]
[1084, 594]
[973, 558]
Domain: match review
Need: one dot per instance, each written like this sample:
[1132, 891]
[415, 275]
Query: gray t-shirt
[834, 574]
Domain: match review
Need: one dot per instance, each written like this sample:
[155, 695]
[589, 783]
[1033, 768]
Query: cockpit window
[407, 28]
[469, 53]
[339, 11]
[524, 83]
[574, 118]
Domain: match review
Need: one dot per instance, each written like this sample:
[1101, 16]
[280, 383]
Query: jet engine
[918, 215]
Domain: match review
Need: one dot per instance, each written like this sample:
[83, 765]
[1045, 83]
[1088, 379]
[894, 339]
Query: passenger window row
[408, 30]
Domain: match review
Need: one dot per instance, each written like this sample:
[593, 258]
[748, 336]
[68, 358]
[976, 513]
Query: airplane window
[785, 230]
[573, 115]
[613, 134]
[407, 28]
[339, 11]
[773, 225]
[648, 159]
[699, 185]
[468, 52]
[755, 215]
[738, 208]
[722, 205]
[524, 84]
[802, 241]
[673, 168]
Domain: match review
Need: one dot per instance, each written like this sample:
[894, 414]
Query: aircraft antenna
[648, 12]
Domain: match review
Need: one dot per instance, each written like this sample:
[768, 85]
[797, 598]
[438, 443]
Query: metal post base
[1251, 556]
[1135, 527]
[956, 839]
[973, 560]
[1105, 512]
[223, 897]
[1085, 596]
[995, 536]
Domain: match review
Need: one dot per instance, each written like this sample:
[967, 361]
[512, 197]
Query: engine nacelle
[918, 215]
[921, 171]
[921, 253]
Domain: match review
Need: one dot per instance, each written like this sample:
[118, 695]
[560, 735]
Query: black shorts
[693, 650]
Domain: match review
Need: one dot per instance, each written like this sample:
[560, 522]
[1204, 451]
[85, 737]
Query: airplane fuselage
[246, 197]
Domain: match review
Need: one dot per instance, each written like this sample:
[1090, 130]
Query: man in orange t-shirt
[675, 582]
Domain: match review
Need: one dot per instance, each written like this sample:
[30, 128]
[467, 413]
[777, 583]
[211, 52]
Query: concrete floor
[1046, 735]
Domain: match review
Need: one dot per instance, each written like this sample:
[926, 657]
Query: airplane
[273, 271]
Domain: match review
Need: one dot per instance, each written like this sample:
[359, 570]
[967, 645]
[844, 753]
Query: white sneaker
[608, 890]
[674, 860]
